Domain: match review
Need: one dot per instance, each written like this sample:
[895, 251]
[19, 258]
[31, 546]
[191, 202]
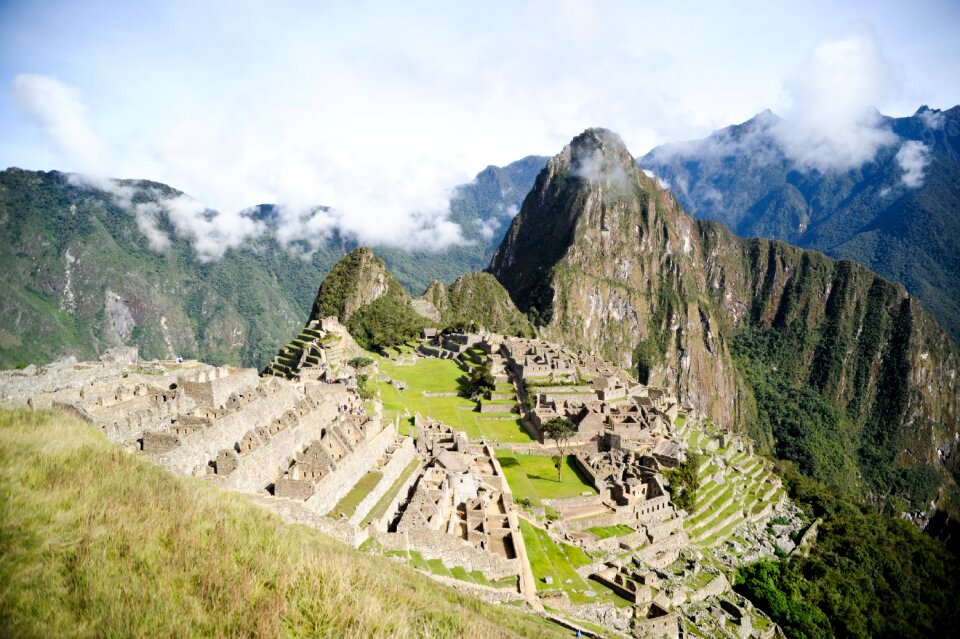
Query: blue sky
[378, 109]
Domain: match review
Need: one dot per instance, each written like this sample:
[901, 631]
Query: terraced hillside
[736, 486]
[172, 556]
[314, 347]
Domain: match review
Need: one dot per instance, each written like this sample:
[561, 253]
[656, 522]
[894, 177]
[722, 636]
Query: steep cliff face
[903, 225]
[604, 259]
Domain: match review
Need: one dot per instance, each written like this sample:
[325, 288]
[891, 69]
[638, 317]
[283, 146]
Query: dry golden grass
[97, 542]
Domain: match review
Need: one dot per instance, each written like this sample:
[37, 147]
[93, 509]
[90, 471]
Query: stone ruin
[318, 353]
[461, 510]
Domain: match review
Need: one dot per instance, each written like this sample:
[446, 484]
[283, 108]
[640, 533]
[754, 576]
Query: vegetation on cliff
[387, 321]
[363, 295]
[81, 276]
[478, 299]
[96, 541]
[866, 576]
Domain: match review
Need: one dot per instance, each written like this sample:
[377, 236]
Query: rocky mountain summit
[898, 213]
[606, 260]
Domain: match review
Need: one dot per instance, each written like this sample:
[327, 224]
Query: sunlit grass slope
[98, 542]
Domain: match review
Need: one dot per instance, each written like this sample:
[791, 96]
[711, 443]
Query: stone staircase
[312, 347]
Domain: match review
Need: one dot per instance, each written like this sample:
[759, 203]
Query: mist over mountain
[896, 210]
[96, 263]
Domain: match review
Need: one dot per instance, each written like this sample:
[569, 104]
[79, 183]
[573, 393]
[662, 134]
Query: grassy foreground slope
[95, 541]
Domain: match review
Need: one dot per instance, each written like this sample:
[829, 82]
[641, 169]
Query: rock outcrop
[476, 299]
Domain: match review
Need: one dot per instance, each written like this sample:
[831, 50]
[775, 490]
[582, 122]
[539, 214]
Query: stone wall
[659, 532]
[293, 512]
[549, 450]
[560, 394]
[213, 388]
[199, 447]
[716, 586]
[487, 406]
[382, 523]
[333, 486]
[128, 420]
[605, 519]
[493, 595]
[654, 509]
[574, 502]
[394, 467]
[260, 467]
[433, 544]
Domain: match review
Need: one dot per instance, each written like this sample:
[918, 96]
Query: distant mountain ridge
[824, 362]
[80, 275]
[898, 214]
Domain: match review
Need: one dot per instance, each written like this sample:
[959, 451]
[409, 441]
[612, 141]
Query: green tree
[360, 362]
[685, 482]
[481, 380]
[560, 430]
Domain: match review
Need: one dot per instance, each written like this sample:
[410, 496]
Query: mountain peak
[598, 155]
[359, 278]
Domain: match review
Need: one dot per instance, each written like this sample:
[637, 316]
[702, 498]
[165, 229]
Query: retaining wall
[201, 446]
[433, 544]
[394, 467]
[262, 465]
[333, 486]
[381, 524]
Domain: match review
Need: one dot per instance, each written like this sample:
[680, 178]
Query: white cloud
[147, 214]
[933, 119]
[378, 109]
[487, 227]
[58, 109]
[913, 157]
[592, 159]
[212, 232]
[833, 123]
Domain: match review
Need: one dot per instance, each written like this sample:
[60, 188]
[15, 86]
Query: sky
[378, 109]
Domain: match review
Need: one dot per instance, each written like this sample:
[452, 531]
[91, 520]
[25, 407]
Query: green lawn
[548, 558]
[443, 376]
[436, 566]
[603, 532]
[380, 509]
[535, 478]
[348, 504]
[559, 561]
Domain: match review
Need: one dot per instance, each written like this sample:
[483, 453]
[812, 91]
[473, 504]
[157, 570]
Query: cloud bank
[913, 157]
[833, 124]
[370, 205]
[377, 110]
[57, 108]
